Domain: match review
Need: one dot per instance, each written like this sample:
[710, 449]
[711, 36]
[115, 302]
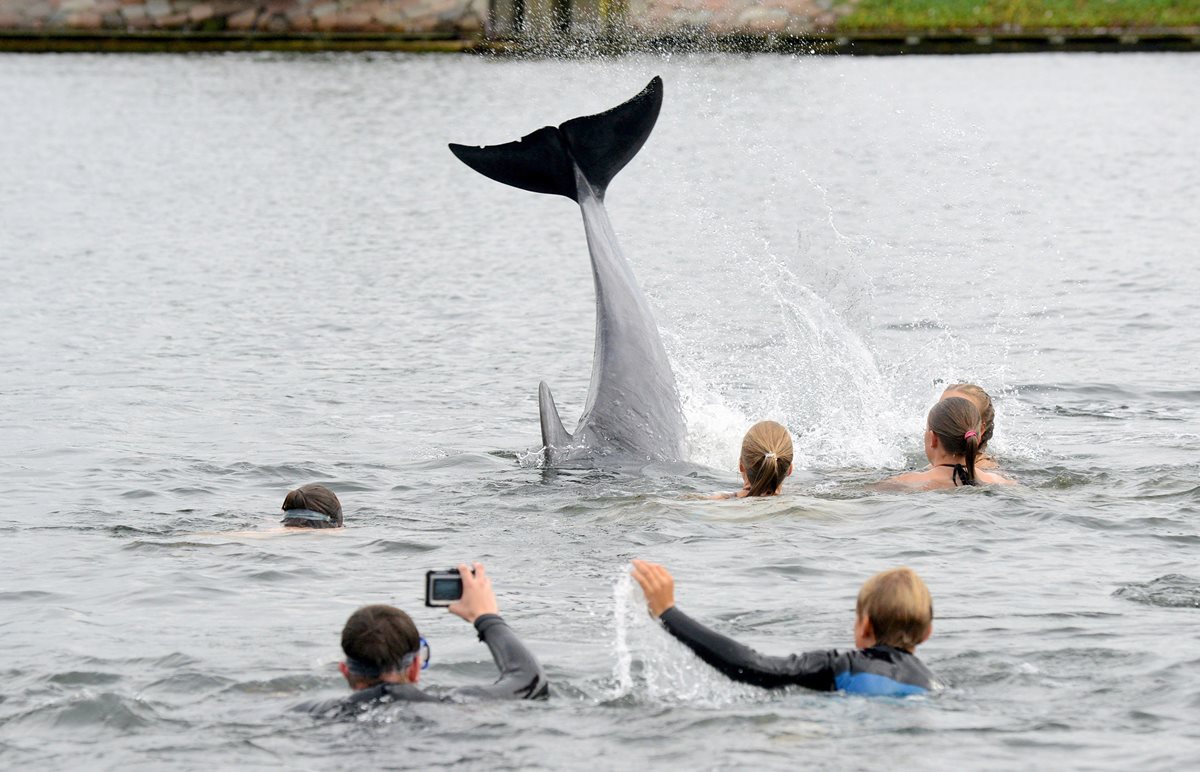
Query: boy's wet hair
[379, 636]
[313, 498]
[899, 606]
[766, 457]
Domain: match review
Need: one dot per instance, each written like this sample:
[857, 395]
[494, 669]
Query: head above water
[953, 431]
[983, 403]
[766, 457]
[378, 641]
[303, 507]
[894, 609]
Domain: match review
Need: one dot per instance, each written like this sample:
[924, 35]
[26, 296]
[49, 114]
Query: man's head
[894, 609]
[377, 641]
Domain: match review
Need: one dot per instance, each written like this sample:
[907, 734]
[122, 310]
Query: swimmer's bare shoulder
[724, 495]
[992, 478]
[986, 462]
[909, 481]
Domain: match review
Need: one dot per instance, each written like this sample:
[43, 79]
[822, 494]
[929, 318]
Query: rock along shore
[589, 26]
[459, 18]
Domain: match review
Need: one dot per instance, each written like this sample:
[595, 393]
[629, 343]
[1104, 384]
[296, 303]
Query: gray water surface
[225, 276]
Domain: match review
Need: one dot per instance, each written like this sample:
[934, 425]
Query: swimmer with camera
[385, 654]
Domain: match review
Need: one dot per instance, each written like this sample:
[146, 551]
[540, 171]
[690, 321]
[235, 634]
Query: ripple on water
[397, 546]
[171, 661]
[139, 493]
[22, 595]
[1055, 477]
[141, 545]
[187, 682]
[1151, 494]
[288, 684]
[84, 709]
[1170, 591]
[84, 678]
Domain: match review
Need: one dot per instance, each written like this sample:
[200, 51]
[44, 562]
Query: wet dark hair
[314, 498]
[956, 422]
[379, 637]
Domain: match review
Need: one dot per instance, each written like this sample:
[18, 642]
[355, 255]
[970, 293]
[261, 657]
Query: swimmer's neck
[386, 678]
[938, 457]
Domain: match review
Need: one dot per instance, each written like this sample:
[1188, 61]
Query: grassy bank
[1009, 14]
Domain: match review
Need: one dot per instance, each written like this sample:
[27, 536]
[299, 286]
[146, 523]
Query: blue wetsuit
[879, 670]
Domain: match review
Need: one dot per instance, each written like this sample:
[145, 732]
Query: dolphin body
[632, 413]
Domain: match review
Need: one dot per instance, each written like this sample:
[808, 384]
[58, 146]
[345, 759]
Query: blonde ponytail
[766, 457]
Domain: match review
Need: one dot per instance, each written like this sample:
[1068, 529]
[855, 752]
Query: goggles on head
[364, 670]
[306, 514]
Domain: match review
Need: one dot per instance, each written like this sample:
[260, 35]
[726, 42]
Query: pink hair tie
[970, 434]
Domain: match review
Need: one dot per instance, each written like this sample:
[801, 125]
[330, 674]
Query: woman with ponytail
[766, 460]
[953, 434]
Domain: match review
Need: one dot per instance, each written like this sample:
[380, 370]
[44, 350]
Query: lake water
[225, 276]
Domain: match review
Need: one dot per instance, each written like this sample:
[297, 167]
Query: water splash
[652, 666]
[797, 284]
[1170, 591]
[795, 359]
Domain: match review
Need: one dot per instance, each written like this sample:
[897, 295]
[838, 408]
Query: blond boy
[894, 615]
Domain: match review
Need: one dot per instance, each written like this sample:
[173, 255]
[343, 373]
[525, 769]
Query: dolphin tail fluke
[599, 144]
[553, 433]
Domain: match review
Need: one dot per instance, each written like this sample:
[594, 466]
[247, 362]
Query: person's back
[385, 655]
[894, 615]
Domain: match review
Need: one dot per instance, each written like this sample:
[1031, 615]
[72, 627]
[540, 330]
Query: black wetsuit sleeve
[813, 670]
[521, 677]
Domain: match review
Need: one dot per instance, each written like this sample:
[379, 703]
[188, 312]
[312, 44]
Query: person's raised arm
[813, 670]
[521, 677]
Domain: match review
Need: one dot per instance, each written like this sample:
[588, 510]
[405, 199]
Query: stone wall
[461, 17]
[730, 17]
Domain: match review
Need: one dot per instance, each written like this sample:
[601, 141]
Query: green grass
[995, 14]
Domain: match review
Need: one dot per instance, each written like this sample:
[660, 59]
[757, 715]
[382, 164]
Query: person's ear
[791, 468]
[414, 670]
[345, 671]
[864, 632]
[933, 438]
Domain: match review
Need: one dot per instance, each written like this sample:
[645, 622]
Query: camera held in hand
[443, 587]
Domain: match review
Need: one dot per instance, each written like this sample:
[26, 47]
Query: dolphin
[632, 413]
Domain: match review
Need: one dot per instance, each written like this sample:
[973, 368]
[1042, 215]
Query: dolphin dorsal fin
[553, 433]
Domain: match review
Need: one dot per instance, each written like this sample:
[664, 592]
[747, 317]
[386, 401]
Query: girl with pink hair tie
[953, 435]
